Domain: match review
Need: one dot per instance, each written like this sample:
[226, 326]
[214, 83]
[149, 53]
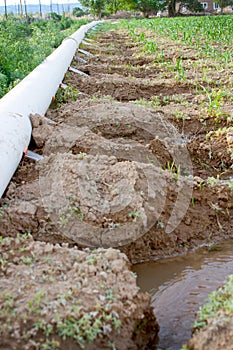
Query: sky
[46, 2]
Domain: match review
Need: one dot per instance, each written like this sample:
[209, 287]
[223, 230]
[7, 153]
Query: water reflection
[179, 286]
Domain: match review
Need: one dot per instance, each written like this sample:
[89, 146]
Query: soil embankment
[120, 174]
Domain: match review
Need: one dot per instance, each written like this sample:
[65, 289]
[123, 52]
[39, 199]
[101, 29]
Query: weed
[81, 155]
[3, 208]
[65, 95]
[91, 259]
[214, 103]
[27, 260]
[134, 215]
[50, 345]
[149, 160]
[211, 181]
[87, 327]
[218, 301]
[35, 305]
[113, 225]
[8, 301]
[3, 263]
[27, 235]
[77, 212]
[217, 208]
[160, 224]
[176, 170]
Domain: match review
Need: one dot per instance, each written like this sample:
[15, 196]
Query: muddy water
[180, 285]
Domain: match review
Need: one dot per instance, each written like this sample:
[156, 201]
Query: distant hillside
[31, 8]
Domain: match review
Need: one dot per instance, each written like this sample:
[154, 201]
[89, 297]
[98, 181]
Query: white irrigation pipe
[32, 95]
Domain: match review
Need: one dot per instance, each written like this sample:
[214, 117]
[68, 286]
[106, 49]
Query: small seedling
[134, 215]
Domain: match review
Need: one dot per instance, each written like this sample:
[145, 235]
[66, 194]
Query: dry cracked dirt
[134, 169]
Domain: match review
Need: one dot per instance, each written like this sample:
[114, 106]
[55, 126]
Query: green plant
[214, 104]
[27, 260]
[23, 45]
[3, 208]
[180, 76]
[65, 95]
[3, 263]
[173, 168]
[35, 305]
[135, 214]
[211, 181]
[220, 300]
[50, 344]
[81, 155]
[160, 224]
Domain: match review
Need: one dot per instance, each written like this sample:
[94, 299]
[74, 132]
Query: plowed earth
[107, 151]
[135, 162]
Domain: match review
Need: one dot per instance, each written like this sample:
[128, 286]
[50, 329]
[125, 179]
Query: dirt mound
[127, 88]
[110, 190]
[213, 152]
[217, 335]
[54, 297]
[89, 200]
[128, 121]
[98, 201]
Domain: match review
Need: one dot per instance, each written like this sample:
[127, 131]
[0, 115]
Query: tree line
[146, 7]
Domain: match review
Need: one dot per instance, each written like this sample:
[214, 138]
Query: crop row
[212, 35]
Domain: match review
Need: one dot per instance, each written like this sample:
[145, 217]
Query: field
[140, 159]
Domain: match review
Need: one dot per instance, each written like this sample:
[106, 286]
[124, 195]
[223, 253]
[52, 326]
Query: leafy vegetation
[220, 300]
[146, 7]
[96, 6]
[23, 46]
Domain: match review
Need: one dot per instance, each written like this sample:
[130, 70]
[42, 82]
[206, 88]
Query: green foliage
[78, 12]
[103, 7]
[115, 5]
[55, 16]
[214, 103]
[3, 84]
[135, 214]
[79, 326]
[146, 6]
[65, 95]
[96, 6]
[24, 46]
[218, 301]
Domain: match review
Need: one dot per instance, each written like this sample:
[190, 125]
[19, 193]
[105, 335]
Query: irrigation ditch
[134, 169]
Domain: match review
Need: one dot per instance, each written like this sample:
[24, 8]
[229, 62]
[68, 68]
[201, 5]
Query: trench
[180, 285]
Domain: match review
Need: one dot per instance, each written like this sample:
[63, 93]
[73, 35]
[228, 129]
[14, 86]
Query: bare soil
[56, 297]
[135, 161]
